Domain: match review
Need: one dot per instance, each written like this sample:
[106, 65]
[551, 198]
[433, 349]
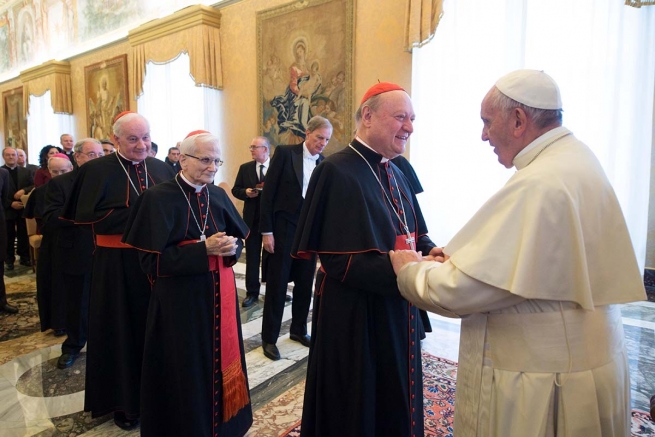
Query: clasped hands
[401, 257]
[220, 244]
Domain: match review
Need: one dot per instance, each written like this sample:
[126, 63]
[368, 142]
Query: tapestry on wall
[105, 84]
[15, 125]
[304, 61]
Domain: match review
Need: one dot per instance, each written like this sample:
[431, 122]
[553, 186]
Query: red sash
[401, 242]
[235, 389]
[113, 241]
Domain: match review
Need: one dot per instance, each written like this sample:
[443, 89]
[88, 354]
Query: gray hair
[318, 122]
[372, 102]
[118, 125]
[70, 164]
[188, 145]
[540, 117]
[266, 142]
[79, 146]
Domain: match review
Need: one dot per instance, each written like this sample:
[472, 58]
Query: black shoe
[9, 309]
[305, 340]
[287, 298]
[271, 351]
[59, 332]
[25, 262]
[66, 360]
[9, 266]
[249, 301]
[123, 422]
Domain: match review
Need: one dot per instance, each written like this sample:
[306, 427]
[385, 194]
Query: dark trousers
[3, 289]
[16, 229]
[77, 312]
[282, 269]
[253, 257]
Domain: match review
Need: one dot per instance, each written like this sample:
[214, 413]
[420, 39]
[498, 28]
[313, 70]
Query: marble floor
[37, 399]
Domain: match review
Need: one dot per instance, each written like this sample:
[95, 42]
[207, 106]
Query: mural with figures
[35, 31]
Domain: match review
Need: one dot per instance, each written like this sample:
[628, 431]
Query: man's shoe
[123, 422]
[249, 301]
[305, 340]
[66, 360]
[270, 351]
[9, 266]
[287, 298]
[25, 262]
[9, 309]
[59, 332]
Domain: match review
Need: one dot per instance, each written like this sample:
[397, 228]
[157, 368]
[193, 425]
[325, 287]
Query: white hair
[188, 145]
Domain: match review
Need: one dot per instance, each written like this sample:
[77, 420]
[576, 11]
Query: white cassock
[535, 276]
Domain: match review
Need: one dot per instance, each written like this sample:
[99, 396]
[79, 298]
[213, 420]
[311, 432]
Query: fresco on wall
[15, 125]
[35, 31]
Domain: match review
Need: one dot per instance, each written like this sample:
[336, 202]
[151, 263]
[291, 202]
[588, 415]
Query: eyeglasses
[254, 147]
[93, 155]
[206, 161]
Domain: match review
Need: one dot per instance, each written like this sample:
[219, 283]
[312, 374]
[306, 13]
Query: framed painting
[105, 85]
[15, 125]
[305, 68]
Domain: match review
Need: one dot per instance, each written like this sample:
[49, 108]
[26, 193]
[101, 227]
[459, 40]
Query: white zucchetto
[533, 88]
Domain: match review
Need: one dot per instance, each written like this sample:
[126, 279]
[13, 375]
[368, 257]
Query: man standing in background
[66, 141]
[247, 187]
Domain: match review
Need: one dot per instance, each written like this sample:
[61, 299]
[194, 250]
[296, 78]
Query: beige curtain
[54, 76]
[639, 3]
[194, 30]
[422, 20]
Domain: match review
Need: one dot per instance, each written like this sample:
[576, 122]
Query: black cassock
[364, 373]
[102, 197]
[179, 393]
[50, 285]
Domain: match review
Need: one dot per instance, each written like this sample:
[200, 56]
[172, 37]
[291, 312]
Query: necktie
[261, 172]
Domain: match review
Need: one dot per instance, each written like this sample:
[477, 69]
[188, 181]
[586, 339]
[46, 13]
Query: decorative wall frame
[305, 68]
[15, 124]
[107, 95]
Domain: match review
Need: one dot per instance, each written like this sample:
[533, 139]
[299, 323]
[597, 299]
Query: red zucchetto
[122, 114]
[61, 155]
[380, 88]
[197, 132]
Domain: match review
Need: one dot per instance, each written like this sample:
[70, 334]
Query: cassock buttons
[412, 317]
[412, 330]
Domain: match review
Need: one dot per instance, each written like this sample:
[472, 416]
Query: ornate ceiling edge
[45, 69]
[186, 18]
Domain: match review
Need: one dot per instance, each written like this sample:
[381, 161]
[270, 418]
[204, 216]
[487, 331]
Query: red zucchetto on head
[122, 114]
[61, 155]
[197, 132]
[379, 88]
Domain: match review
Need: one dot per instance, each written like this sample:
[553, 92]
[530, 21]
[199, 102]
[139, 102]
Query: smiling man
[364, 370]
[189, 235]
[286, 184]
[103, 194]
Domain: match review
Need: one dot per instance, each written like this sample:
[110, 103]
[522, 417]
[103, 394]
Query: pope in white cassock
[535, 276]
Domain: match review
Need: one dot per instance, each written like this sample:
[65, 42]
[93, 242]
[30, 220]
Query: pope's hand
[401, 257]
[221, 245]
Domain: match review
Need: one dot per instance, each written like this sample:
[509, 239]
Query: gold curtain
[640, 3]
[54, 76]
[193, 30]
[422, 20]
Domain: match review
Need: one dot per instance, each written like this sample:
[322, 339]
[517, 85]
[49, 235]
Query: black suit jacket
[282, 195]
[72, 243]
[247, 177]
[25, 182]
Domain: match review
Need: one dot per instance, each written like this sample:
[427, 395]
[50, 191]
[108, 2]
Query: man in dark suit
[247, 186]
[282, 199]
[4, 188]
[74, 244]
[173, 158]
[20, 183]
[66, 141]
[22, 162]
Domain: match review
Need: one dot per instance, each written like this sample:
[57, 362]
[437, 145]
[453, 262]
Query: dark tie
[261, 172]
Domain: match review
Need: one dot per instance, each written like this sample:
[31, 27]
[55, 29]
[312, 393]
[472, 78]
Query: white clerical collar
[198, 188]
[307, 155]
[529, 152]
[369, 147]
[133, 162]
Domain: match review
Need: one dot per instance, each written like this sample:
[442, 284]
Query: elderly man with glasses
[189, 235]
[247, 187]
